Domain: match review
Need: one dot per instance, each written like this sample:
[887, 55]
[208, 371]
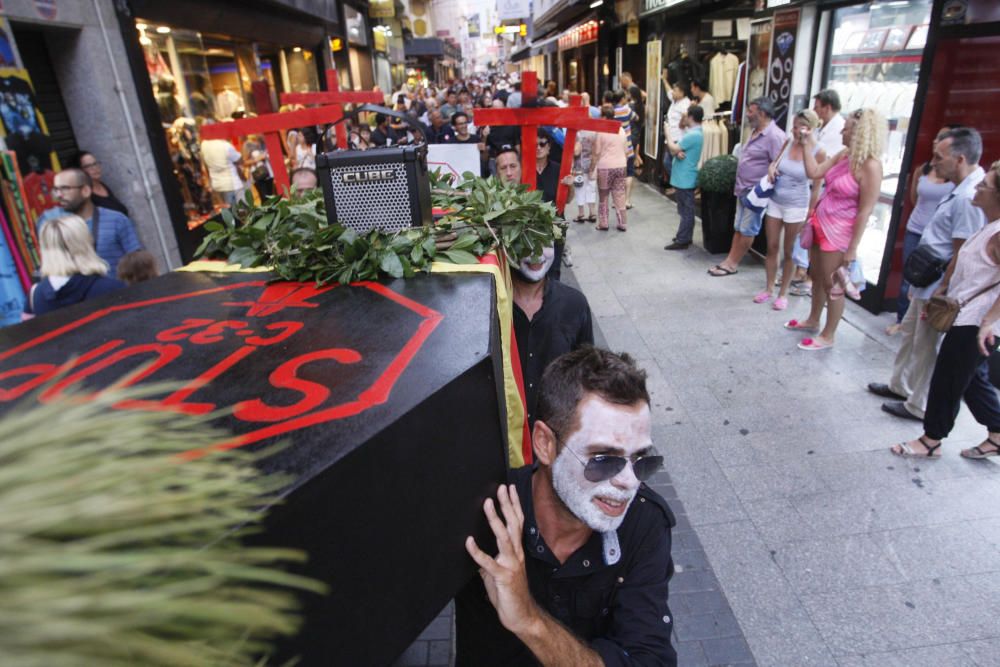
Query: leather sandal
[904, 450]
[978, 452]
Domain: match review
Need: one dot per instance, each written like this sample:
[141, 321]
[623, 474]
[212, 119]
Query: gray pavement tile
[690, 654]
[989, 529]
[790, 477]
[837, 563]
[891, 618]
[439, 653]
[946, 655]
[938, 551]
[701, 602]
[439, 628]
[705, 626]
[983, 652]
[727, 651]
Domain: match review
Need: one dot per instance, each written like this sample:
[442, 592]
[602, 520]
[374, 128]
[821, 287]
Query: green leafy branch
[293, 237]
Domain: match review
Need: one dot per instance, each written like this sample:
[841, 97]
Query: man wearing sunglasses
[583, 568]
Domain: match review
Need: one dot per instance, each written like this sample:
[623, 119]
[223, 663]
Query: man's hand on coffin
[504, 576]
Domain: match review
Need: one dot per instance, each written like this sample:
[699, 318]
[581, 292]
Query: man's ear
[543, 440]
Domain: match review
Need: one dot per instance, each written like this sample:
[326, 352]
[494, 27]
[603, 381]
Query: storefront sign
[381, 9]
[786, 27]
[473, 25]
[578, 36]
[632, 34]
[513, 9]
[653, 86]
[650, 6]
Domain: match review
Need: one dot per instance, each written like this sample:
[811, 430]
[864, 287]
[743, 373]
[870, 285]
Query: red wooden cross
[271, 124]
[574, 118]
[333, 96]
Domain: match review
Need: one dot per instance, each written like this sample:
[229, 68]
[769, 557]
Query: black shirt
[110, 201]
[561, 325]
[611, 593]
[548, 181]
[440, 135]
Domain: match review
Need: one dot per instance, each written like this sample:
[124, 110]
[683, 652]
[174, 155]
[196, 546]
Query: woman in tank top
[787, 209]
[853, 179]
[927, 189]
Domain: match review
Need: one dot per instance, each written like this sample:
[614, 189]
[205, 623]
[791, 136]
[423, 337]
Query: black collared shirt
[611, 593]
[561, 325]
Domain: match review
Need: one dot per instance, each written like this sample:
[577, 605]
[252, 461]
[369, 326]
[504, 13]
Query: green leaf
[417, 254]
[213, 226]
[390, 264]
[460, 257]
[465, 242]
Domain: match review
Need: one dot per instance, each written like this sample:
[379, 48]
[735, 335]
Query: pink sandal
[812, 345]
[762, 297]
[780, 303]
[795, 325]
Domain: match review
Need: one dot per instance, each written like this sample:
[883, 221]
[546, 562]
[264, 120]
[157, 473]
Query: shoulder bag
[924, 266]
[941, 311]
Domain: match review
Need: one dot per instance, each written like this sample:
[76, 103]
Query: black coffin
[389, 395]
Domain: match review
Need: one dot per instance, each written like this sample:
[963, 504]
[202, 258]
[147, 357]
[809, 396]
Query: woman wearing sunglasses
[582, 573]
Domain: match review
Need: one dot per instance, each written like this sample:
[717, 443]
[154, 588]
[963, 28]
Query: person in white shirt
[703, 98]
[223, 161]
[672, 125]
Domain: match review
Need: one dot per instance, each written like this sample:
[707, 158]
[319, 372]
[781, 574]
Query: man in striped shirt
[624, 115]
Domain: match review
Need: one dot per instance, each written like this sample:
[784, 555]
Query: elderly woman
[961, 371]
[853, 178]
[71, 270]
[608, 167]
[787, 210]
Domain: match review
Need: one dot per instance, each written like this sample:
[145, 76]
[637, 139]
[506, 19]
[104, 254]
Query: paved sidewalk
[830, 550]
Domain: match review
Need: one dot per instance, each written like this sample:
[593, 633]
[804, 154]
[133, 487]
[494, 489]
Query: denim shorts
[748, 222]
[630, 167]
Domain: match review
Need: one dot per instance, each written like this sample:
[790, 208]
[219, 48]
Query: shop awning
[433, 47]
[547, 45]
[521, 53]
[561, 15]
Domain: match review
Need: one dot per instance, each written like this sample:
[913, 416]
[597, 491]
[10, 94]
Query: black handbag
[924, 266]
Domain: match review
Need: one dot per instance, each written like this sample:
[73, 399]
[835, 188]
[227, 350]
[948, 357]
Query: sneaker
[567, 258]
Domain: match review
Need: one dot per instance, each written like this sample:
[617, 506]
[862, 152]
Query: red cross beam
[574, 118]
[335, 98]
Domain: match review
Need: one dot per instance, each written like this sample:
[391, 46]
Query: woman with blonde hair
[71, 270]
[853, 178]
[788, 208]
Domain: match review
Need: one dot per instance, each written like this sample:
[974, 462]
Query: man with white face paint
[583, 569]
[550, 318]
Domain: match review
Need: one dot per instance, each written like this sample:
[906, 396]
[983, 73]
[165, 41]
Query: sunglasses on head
[603, 467]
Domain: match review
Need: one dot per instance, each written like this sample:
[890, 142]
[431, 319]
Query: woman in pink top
[608, 165]
[853, 178]
[962, 369]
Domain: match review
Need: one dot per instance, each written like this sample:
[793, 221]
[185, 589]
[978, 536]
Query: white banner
[454, 159]
[513, 9]
[653, 88]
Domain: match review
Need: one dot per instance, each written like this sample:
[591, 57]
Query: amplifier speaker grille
[382, 204]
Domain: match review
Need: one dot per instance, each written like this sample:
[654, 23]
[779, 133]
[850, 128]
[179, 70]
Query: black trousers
[961, 372]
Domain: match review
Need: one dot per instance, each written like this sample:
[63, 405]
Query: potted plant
[718, 203]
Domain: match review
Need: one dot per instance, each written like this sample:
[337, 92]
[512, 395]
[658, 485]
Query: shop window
[875, 55]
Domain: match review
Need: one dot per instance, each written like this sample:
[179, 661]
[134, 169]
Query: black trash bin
[718, 213]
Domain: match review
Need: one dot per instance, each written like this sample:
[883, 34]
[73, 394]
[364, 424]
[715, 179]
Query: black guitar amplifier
[382, 188]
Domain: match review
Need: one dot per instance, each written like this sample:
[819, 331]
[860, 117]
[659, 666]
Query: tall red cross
[574, 118]
[333, 96]
[272, 124]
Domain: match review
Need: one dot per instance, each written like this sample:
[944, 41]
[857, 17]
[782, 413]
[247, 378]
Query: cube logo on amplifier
[368, 176]
[383, 188]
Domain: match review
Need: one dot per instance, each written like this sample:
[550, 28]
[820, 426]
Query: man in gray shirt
[956, 158]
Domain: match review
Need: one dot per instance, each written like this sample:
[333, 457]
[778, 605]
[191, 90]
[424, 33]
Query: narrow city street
[825, 548]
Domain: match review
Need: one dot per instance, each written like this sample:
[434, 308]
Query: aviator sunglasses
[603, 467]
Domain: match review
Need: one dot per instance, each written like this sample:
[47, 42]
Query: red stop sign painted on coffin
[281, 356]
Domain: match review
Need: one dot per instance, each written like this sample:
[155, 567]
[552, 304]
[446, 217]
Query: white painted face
[533, 270]
[605, 428]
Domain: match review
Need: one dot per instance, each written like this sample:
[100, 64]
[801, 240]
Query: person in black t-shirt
[583, 570]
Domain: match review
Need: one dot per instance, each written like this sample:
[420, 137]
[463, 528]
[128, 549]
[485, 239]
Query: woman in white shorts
[788, 209]
[584, 195]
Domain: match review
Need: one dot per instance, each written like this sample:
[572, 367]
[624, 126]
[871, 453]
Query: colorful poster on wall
[786, 27]
[758, 59]
[654, 60]
[21, 224]
[11, 280]
[474, 26]
[23, 127]
[9, 57]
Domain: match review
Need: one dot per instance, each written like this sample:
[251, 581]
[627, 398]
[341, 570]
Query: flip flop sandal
[622, 228]
[592, 218]
[780, 303]
[813, 345]
[762, 297]
[907, 452]
[719, 271]
[978, 452]
[602, 228]
[579, 219]
[794, 325]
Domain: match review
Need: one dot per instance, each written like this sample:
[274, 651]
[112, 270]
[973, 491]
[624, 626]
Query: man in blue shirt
[114, 234]
[684, 174]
